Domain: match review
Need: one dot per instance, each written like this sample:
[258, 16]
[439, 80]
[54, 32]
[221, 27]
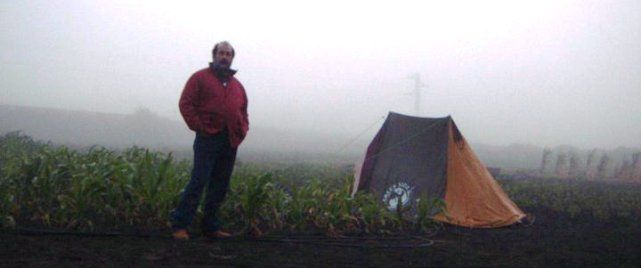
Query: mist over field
[97, 165]
[320, 77]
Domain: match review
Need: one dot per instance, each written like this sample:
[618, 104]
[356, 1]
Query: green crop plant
[97, 188]
[426, 208]
[336, 210]
[254, 195]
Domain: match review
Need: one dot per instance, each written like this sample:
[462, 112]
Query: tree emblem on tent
[399, 192]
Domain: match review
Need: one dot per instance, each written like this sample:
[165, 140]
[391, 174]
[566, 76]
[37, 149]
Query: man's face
[224, 56]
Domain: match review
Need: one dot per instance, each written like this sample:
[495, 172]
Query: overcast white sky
[536, 72]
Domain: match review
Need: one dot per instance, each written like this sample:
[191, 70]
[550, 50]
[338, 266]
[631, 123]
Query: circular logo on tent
[399, 192]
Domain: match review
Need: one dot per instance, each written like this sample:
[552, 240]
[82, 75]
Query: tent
[411, 157]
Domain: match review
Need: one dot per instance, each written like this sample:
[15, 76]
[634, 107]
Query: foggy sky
[534, 72]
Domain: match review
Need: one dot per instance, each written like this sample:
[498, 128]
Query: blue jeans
[213, 164]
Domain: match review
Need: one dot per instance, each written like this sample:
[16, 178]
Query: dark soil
[553, 240]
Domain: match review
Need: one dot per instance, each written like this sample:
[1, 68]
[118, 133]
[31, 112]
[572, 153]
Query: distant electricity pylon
[417, 92]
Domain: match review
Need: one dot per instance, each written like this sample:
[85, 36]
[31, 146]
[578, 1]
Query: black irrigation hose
[363, 242]
[349, 244]
[343, 241]
[530, 220]
[33, 232]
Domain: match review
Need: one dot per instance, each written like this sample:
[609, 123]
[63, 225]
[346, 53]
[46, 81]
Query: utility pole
[417, 92]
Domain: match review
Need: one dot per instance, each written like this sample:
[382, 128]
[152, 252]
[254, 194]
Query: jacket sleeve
[244, 110]
[187, 104]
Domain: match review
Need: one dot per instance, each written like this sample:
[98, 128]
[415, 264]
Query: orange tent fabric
[473, 197]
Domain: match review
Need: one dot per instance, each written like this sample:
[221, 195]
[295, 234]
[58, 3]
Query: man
[214, 105]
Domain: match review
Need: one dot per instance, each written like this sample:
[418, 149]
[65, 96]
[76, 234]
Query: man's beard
[222, 69]
[222, 65]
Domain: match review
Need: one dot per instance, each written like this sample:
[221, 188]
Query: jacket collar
[222, 73]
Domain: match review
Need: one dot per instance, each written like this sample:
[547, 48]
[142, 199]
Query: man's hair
[213, 51]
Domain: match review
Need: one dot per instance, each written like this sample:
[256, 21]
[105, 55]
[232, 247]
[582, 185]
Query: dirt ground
[553, 240]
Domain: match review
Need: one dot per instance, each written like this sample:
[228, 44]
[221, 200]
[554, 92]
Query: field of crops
[47, 187]
[98, 190]
[578, 199]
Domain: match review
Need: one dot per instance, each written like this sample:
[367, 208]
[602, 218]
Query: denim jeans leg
[218, 188]
[204, 161]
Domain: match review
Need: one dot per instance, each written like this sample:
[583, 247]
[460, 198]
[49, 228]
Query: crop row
[100, 189]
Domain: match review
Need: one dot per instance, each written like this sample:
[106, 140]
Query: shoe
[181, 235]
[255, 232]
[217, 235]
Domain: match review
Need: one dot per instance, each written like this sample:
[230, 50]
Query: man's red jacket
[209, 105]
